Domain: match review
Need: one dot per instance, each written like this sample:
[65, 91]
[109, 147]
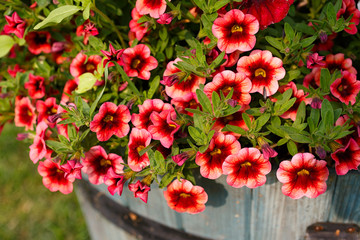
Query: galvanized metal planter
[261, 213]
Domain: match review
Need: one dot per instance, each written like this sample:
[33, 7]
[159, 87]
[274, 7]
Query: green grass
[28, 210]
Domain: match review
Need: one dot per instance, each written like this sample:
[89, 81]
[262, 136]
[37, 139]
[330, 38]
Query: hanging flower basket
[205, 110]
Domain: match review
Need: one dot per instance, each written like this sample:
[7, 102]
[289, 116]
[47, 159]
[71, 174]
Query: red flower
[46, 109]
[97, 163]
[15, 70]
[138, 62]
[267, 11]
[139, 29]
[183, 86]
[35, 86]
[225, 81]
[142, 120]
[314, 60]
[212, 159]
[115, 182]
[234, 119]
[189, 100]
[153, 7]
[139, 139]
[72, 169]
[69, 87]
[185, 197]
[79, 65]
[165, 18]
[38, 149]
[140, 190]
[246, 167]
[15, 25]
[348, 8]
[346, 88]
[112, 55]
[235, 31]
[24, 114]
[264, 71]
[38, 42]
[87, 29]
[54, 177]
[303, 176]
[347, 158]
[164, 127]
[111, 120]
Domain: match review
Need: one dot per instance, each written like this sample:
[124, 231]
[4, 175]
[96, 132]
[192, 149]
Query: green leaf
[282, 141]
[86, 82]
[296, 135]
[56, 146]
[204, 101]
[160, 161]
[166, 180]
[6, 43]
[216, 102]
[163, 34]
[58, 14]
[331, 14]
[234, 129]
[290, 34]
[325, 80]
[219, 4]
[154, 85]
[308, 41]
[95, 103]
[262, 120]
[86, 12]
[301, 114]
[131, 85]
[274, 42]
[71, 132]
[247, 120]
[292, 148]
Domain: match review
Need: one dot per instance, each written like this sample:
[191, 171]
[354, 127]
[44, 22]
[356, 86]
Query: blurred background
[28, 210]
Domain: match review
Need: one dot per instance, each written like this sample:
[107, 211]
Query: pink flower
[346, 88]
[348, 8]
[97, 163]
[15, 25]
[138, 62]
[111, 120]
[24, 114]
[87, 29]
[46, 109]
[212, 159]
[246, 167]
[303, 176]
[82, 64]
[234, 119]
[115, 182]
[225, 81]
[69, 87]
[235, 31]
[314, 59]
[72, 169]
[112, 55]
[263, 70]
[347, 158]
[181, 158]
[164, 127]
[139, 139]
[189, 100]
[38, 149]
[165, 18]
[185, 197]
[140, 190]
[54, 177]
[139, 29]
[153, 7]
[35, 86]
[15, 70]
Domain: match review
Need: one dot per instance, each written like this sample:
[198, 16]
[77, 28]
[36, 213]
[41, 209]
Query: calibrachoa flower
[115, 182]
[15, 70]
[152, 7]
[227, 80]
[140, 190]
[234, 119]
[347, 9]
[182, 86]
[15, 25]
[112, 55]
[212, 159]
[35, 86]
[246, 167]
[97, 163]
[111, 120]
[347, 158]
[46, 109]
[189, 100]
[24, 114]
[264, 71]
[138, 62]
[142, 120]
[72, 169]
[87, 29]
[303, 176]
[164, 127]
[235, 31]
[54, 177]
[69, 87]
[185, 197]
[139, 29]
[38, 149]
[83, 64]
[38, 42]
[346, 88]
[139, 139]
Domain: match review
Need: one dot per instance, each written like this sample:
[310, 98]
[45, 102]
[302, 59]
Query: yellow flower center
[226, 90]
[29, 113]
[139, 148]
[260, 72]
[303, 172]
[172, 125]
[105, 162]
[193, 103]
[216, 151]
[228, 118]
[90, 67]
[185, 195]
[108, 118]
[135, 63]
[236, 28]
[246, 164]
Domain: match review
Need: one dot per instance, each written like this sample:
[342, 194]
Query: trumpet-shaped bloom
[138, 62]
[225, 81]
[72, 169]
[212, 159]
[347, 158]
[54, 177]
[15, 25]
[346, 88]
[38, 149]
[139, 29]
[38, 42]
[303, 176]
[182, 86]
[46, 109]
[115, 182]
[246, 167]
[97, 163]
[111, 120]
[24, 114]
[139, 139]
[80, 65]
[185, 197]
[347, 9]
[140, 190]
[152, 7]
[35, 86]
[235, 31]
[234, 119]
[264, 71]
[189, 100]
